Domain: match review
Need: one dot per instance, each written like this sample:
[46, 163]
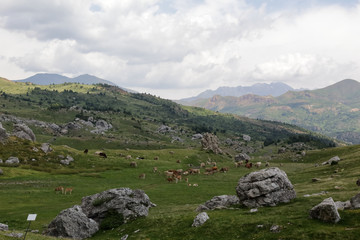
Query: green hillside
[333, 111]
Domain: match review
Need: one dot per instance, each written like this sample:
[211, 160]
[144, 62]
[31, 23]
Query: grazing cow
[194, 170]
[86, 151]
[59, 189]
[133, 164]
[187, 180]
[214, 169]
[155, 169]
[169, 179]
[238, 164]
[213, 163]
[281, 164]
[177, 178]
[156, 158]
[258, 164]
[248, 165]
[171, 152]
[128, 157]
[179, 171]
[224, 169]
[178, 161]
[358, 182]
[202, 165]
[195, 185]
[102, 154]
[169, 173]
[142, 176]
[185, 173]
[68, 190]
[208, 163]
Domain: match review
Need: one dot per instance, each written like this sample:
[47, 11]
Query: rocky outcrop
[165, 129]
[326, 211]
[12, 160]
[242, 157]
[45, 147]
[219, 202]
[266, 187]
[210, 142]
[67, 160]
[101, 126]
[72, 223]
[130, 203]
[200, 219]
[331, 161]
[23, 131]
[3, 133]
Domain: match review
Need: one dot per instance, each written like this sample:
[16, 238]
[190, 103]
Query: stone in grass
[355, 201]
[275, 229]
[200, 219]
[326, 211]
[4, 227]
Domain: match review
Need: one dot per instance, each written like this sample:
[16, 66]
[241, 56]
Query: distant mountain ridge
[51, 78]
[260, 89]
[333, 110]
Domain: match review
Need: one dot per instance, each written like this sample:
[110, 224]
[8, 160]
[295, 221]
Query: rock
[210, 142]
[35, 149]
[326, 211]
[176, 139]
[246, 138]
[197, 136]
[343, 205]
[4, 227]
[124, 237]
[355, 201]
[1, 161]
[229, 142]
[275, 229]
[242, 157]
[253, 210]
[12, 160]
[281, 150]
[165, 129]
[130, 203]
[315, 179]
[1, 172]
[66, 161]
[45, 147]
[200, 219]
[219, 202]
[24, 132]
[35, 231]
[260, 226]
[266, 187]
[72, 223]
[15, 235]
[331, 161]
[101, 126]
[3, 133]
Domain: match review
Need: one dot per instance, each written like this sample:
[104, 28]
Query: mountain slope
[334, 110]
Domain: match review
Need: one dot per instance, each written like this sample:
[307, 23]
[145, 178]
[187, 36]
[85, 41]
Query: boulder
[3, 134]
[219, 202]
[101, 126]
[197, 136]
[281, 150]
[45, 147]
[242, 157]
[23, 131]
[12, 160]
[200, 219]
[333, 160]
[355, 201]
[210, 142]
[4, 227]
[343, 205]
[72, 223]
[176, 139]
[326, 211]
[130, 203]
[266, 187]
[246, 138]
[67, 160]
[165, 129]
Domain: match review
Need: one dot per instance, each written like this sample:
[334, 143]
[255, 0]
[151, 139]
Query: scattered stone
[136, 231]
[72, 223]
[67, 161]
[165, 129]
[24, 132]
[3, 133]
[210, 142]
[332, 161]
[281, 150]
[4, 227]
[355, 201]
[326, 211]
[12, 160]
[266, 187]
[101, 126]
[253, 210]
[316, 194]
[200, 219]
[343, 205]
[176, 139]
[246, 138]
[15, 235]
[45, 147]
[242, 157]
[219, 202]
[275, 229]
[197, 136]
[35, 231]
[124, 237]
[35, 149]
[260, 226]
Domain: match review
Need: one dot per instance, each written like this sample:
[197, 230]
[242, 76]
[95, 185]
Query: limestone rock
[165, 129]
[343, 205]
[72, 223]
[246, 138]
[266, 187]
[210, 142]
[24, 132]
[200, 219]
[332, 160]
[45, 147]
[219, 202]
[355, 201]
[197, 136]
[242, 157]
[326, 211]
[4, 227]
[67, 160]
[130, 203]
[12, 160]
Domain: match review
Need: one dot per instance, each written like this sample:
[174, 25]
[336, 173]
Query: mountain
[50, 78]
[333, 110]
[261, 89]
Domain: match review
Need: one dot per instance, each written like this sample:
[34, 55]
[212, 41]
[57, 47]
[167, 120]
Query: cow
[169, 179]
[178, 161]
[195, 185]
[155, 169]
[214, 168]
[128, 157]
[169, 173]
[86, 151]
[258, 164]
[142, 176]
[59, 189]
[133, 164]
[156, 158]
[224, 169]
[202, 165]
[171, 152]
[238, 164]
[102, 154]
[248, 165]
[177, 178]
[358, 182]
[68, 190]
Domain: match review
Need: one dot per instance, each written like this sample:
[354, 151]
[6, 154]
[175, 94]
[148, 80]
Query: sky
[179, 48]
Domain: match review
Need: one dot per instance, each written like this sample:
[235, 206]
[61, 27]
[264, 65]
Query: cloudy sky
[179, 48]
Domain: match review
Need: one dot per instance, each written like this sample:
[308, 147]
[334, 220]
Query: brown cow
[155, 169]
[224, 169]
[142, 176]
[59, 189]
[248, 165]
[68, 190]
[133, 164]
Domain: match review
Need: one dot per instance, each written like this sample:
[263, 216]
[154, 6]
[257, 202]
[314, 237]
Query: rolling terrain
[333, 111]
[137, 130]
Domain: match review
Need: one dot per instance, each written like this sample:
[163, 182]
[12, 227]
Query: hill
[260, 89]
[49, 78]
[333, 111]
